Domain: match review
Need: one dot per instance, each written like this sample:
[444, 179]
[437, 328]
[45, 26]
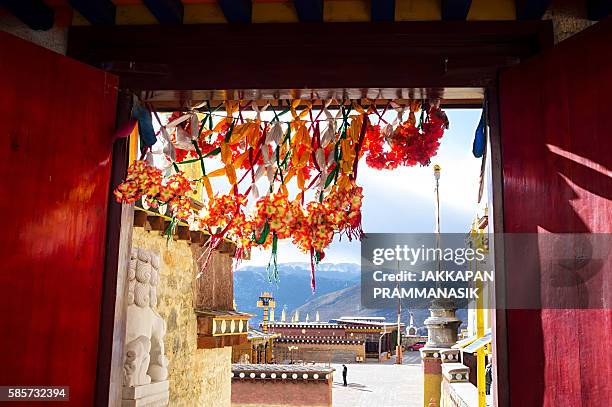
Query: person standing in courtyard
[344, 372]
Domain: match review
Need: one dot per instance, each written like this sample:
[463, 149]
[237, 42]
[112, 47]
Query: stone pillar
[442, 325]
[442, 328]
[432, 376]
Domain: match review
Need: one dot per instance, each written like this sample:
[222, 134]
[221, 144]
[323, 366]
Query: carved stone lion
[145, 359]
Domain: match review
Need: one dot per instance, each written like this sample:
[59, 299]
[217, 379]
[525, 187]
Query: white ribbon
[275, 134]
[149, 159]
[195, 126]
[257, 110]
[177, 121]
[169, 149]
[400, 113]
[183, 140]
[254, 191]
[261, 170]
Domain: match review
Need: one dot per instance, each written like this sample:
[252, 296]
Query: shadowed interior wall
[556, 149]
[58, 119]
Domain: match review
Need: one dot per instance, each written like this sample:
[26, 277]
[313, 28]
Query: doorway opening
[269, 142]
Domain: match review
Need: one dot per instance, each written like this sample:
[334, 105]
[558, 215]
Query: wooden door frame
[499, 327]
[120, 218]
[426, 58]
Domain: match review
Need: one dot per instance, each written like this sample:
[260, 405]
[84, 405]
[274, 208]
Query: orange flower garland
[280, 152]
[275, 215]
[222, 213]
[141, 179]
[144, 180]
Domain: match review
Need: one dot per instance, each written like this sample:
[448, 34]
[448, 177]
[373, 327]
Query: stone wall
[281, 386]
[55, 39]
[216, 388]
[259, 393]
[569, 17]
[198, 377]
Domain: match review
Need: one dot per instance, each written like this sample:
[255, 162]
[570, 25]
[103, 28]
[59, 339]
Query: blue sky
[402, 200]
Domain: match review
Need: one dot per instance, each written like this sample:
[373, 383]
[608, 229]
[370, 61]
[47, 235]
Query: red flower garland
[408, 145]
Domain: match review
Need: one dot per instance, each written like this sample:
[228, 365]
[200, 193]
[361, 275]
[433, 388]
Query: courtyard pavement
[380, 385]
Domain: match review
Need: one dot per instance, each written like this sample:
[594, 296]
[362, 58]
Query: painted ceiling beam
[456, 10]
[98, 12]
[34, 13]
[531, 9]
[237, 11]
[166, 11]
[309, 11]
[383, 10]
[598, 9]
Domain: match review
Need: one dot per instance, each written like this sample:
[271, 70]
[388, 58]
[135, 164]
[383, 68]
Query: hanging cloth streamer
[145, 125]
[318, 151]
[480, 139]
[125, 129]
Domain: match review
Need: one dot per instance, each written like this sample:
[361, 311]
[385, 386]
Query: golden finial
[437, 169]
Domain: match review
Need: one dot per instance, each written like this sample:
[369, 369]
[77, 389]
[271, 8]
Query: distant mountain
[293, 288]
[338, 293]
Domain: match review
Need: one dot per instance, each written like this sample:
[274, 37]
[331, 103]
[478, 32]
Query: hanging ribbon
[272, 269]
[330, 144]
[480, 140]
[145, 126]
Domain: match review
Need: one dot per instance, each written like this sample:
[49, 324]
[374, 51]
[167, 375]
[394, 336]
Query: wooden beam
[157, 223]
[455, 9]
[198, 237]
[598, 9]
[213, 342]
[101, 12]
[140, 219]
[531, 9]
[309, 11]
[466, 98]
[34, 13]
[438, 54]
[383, 10]
[227, 248]
[183, 233]
[237, 11]
[166, 11]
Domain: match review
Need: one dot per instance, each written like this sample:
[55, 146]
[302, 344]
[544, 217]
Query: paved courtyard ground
[380, 385]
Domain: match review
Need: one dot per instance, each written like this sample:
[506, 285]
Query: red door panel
[556, 142]
[56, 126]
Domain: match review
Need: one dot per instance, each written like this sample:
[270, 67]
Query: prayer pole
[442, 326]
